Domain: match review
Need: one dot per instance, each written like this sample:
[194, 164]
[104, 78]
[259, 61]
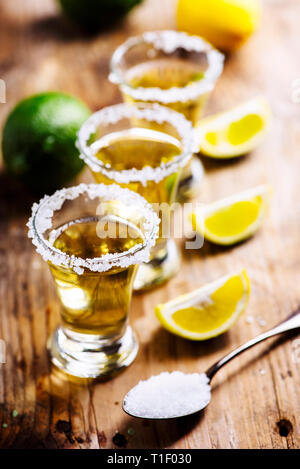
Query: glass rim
[168, 41]
[151, 112]
[43, 211]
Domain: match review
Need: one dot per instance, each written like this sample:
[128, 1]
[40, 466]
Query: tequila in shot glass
[93, 237]
[142, 147]
[173, 69]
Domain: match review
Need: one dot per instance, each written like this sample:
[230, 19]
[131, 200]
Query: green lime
[38, 143]
[96, 14]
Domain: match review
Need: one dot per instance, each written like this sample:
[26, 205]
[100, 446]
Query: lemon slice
[234, 218]
[208, 311]
[235, 132]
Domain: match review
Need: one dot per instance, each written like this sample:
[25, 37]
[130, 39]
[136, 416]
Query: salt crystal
[168, 395]
[249, 319]
[36, 265]
[262, 371]
[261, 322]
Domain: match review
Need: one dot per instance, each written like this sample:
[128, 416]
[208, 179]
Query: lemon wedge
[233, 219]
[235, 132]
[208, 311]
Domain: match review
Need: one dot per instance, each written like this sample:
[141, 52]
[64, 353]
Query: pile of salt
[168, 395]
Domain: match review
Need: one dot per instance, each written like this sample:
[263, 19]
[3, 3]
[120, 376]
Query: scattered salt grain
[261, 321]
[168, 395]
[249, 319]
[36, 265]
[262, 371]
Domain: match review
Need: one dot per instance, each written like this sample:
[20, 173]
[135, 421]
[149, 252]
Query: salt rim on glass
[41, 220]
[150, 112]
[168, 41]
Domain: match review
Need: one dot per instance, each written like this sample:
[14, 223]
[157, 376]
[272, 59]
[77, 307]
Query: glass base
[164, 265]
[190, 180]
[89, 356]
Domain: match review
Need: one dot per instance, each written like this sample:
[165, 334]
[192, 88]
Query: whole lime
[96, 14]
[38, 143]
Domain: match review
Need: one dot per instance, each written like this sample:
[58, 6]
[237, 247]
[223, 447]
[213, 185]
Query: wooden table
[256, 400]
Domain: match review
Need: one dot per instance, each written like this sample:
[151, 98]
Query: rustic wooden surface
[256, 398]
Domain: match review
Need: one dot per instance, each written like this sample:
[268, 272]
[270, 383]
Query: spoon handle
[290, 323]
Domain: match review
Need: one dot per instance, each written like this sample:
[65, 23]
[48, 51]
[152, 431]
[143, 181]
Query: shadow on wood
[159, 434]
[165, 345]
[15, 199]
[217, 164]
[59, 28]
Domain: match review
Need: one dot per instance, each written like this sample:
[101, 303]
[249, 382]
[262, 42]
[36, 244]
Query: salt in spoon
[196, 386]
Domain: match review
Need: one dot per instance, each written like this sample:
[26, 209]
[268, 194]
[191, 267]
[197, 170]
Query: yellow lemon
[235, 132]
[227, 24]
[234, 218]
[208, 311]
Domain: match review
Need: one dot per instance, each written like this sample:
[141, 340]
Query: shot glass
[173, 69]
[142, 147]
[93, 237]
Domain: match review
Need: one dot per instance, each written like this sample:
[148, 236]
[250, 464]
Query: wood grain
[256, 398]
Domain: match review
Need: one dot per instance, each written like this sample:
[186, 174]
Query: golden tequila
[93, 302]
[175, 70]
[142, 147]
[138, 148]
[165, 74]
[93, 237]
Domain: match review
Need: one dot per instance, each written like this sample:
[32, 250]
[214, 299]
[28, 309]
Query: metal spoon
[290, 323]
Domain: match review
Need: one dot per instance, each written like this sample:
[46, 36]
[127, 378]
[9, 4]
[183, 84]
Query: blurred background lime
[227, 24]
[96, 14]
[38, 141]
